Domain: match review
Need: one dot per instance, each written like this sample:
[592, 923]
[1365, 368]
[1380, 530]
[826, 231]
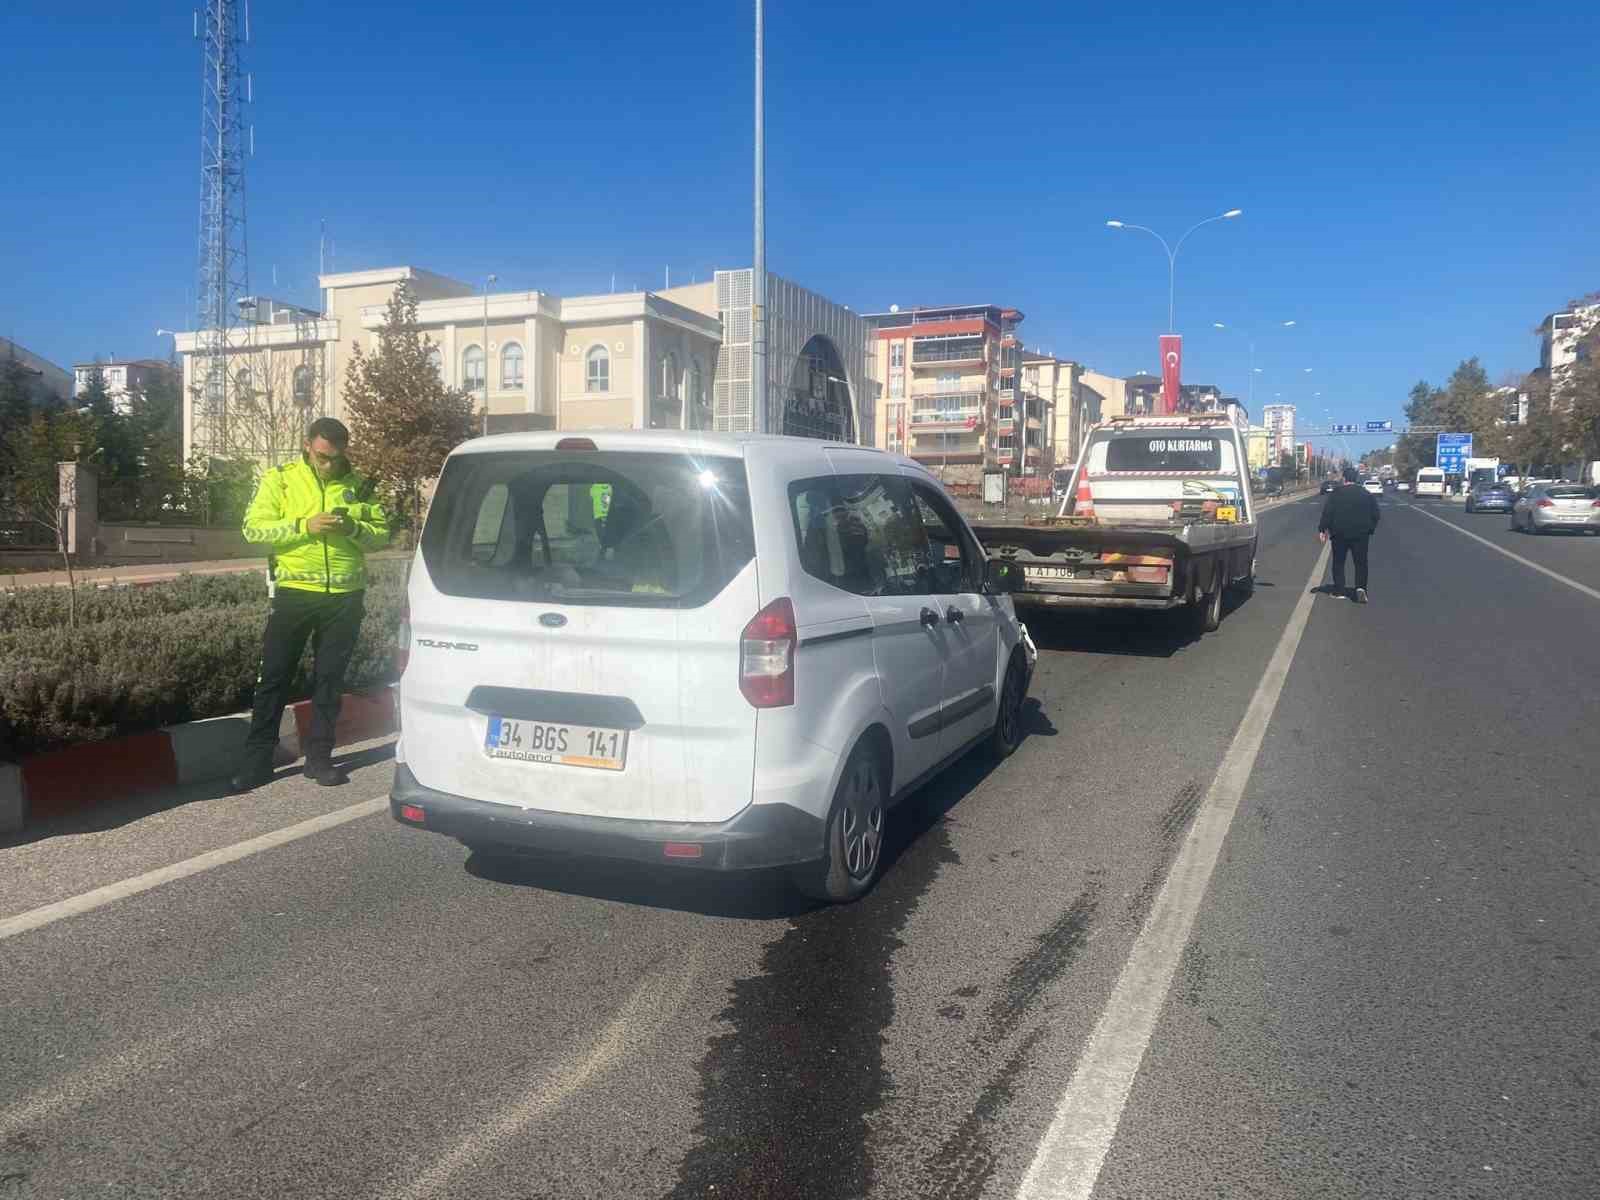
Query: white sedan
[1375, 486]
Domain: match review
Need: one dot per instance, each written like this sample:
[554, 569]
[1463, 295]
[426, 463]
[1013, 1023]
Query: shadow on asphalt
[117, 813]
[761, 895]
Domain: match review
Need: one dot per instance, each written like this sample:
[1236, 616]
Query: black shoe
[249, 780]
[326, 774]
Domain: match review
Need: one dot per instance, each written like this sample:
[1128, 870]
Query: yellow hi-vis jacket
[313, 562]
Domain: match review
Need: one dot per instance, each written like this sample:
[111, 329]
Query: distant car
[1328, 485]
[1548, 506]
[1491, 497]
[1402, 485]
[1375, 486]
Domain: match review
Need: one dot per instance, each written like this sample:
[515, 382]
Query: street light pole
[487, 281]
[1172, 251]
[1252, 386]
[758, 284]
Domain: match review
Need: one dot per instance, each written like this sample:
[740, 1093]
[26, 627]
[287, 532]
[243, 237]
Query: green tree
[403, 419]
[1578, 398]
[32, 487]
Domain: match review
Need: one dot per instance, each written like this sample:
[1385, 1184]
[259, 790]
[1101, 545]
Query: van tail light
[766, 656]
[1545, 504]
[402, 638]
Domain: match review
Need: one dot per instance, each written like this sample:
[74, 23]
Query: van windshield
[641, 530]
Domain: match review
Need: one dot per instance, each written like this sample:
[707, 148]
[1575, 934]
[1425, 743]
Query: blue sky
[1418, 181]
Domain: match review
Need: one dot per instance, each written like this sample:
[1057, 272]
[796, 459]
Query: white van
[721, 651]
[1430, 482]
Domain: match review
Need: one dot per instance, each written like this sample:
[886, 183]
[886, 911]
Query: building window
[699, 406]
[897, 354]
[472, 368]
[511, 366]
[304, 380]
[598, 376]
[436, 361]
[244, 383]
[667, 412]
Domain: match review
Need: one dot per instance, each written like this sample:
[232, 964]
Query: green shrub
[149, 664]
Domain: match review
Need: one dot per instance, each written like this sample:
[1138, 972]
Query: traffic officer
[318, 520]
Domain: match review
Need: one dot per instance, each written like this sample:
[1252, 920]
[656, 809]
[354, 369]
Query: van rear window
[638, 530]
[1177, 451]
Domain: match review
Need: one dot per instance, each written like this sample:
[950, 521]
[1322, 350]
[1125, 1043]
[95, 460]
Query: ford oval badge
[552, 620]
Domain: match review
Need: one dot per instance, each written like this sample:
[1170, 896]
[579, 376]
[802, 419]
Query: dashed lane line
[1067, 1163]
[74, 906]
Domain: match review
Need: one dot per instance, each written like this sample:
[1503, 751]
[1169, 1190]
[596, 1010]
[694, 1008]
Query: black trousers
[1356, 548]
[332, 621]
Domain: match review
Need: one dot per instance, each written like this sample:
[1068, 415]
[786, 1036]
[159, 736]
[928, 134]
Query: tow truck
[1158, 515]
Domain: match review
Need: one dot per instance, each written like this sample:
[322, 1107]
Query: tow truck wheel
[1208, 609]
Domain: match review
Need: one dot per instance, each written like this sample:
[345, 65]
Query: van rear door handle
[954, 615]
[929, 618]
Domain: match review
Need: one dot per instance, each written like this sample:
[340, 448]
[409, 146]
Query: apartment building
[1278, 419]
[944, 370]
[122, 378]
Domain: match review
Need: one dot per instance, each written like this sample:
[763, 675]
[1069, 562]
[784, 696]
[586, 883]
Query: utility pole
[758, 284]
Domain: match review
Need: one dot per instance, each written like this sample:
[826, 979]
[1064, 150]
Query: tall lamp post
[486, 282]
[758, 284]
[1252, 337]
[1172, 251]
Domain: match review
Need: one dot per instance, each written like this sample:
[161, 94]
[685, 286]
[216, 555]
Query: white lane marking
[74, 906]
[1068, 1161]
[1512, 555]
[658, 997]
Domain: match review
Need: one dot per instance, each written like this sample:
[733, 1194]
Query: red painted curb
[77, 777]
[93, 773]
[362, 715]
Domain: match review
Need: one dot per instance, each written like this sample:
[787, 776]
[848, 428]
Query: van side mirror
[1001, 578]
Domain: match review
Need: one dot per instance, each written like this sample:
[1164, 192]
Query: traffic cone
[1083, 503]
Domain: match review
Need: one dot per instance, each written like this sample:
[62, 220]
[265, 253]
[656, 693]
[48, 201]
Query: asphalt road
[1391, 986]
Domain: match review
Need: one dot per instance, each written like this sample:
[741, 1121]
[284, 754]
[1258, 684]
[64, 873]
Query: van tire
[1007, 735]
[854, 833]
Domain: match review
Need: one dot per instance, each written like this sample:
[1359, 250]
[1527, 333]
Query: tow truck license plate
[1047, 573]
[549, 742]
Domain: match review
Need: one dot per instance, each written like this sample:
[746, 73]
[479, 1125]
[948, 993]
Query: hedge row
[155, 664]
[46, 607]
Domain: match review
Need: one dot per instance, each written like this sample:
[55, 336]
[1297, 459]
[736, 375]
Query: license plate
[550, 742]
[1047, 572]
[1227, 512]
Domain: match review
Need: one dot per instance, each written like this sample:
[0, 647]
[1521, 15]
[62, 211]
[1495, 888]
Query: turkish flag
[1171, 370]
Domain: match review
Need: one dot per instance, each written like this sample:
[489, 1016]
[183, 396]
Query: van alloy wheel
[1007, 735]
[861, 821]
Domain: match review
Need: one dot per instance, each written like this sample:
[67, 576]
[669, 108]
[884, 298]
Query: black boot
[253, 774]
[325, 773]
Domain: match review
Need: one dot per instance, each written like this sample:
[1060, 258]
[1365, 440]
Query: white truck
[1158, 515]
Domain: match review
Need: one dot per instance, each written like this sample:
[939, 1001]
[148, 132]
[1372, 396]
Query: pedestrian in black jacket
[1350, 517]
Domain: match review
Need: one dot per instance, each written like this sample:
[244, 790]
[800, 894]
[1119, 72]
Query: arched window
[597, 377]
[304, 383]
[436, 360]
[670, 381]
[472, 368]
[699, 409]
[667, 412]
[244, 383]
[511, 366]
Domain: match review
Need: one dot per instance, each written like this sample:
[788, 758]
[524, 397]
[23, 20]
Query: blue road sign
[1451, 452]
[1380, 426]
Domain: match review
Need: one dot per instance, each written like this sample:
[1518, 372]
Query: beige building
[533, 360]
[122, 378]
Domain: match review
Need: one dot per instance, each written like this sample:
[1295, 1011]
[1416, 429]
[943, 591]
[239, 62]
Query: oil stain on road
[785, 1095]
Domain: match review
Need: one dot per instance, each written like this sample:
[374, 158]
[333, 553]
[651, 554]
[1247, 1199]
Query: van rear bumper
[762, 835]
